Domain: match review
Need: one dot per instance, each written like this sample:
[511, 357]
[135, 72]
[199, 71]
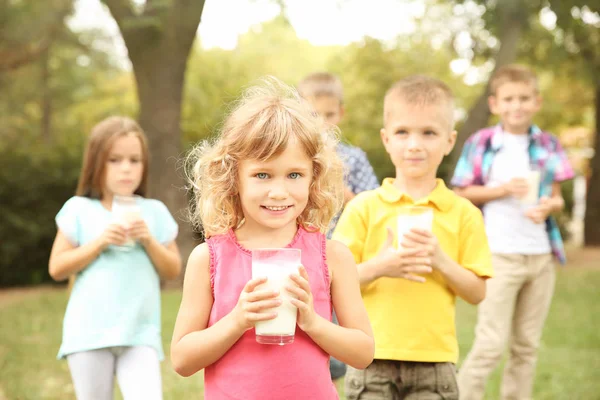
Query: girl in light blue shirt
[112, 322]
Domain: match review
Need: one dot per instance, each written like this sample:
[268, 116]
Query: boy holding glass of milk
[513, 171]
[409, 288]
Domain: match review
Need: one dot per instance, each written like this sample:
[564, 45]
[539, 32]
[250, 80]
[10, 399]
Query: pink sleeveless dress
[253, 371]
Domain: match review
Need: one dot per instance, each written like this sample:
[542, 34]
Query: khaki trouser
[402, 380]
[515, 307]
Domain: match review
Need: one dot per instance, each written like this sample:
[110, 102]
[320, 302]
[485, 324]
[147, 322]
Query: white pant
[137, 370]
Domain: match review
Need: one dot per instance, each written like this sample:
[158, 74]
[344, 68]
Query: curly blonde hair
[260, 126]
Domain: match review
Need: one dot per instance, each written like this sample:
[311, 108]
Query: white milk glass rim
[133, 197]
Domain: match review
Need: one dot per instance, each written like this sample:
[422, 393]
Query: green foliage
[22, 42]
[34, 184]
[83, 87]
[216, 77]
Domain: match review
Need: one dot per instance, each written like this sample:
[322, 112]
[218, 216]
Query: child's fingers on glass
[300, 305]
[116, 235]
[408, 252]
[418, 269]
[411, 244]
[253, 283]
[414, 278]
[256, 316]
[417, 261]
[417, 236]
[420, 232]
[261, 294]
[303, 272]
[298, 293]
[300, 281]
[115, 228]
[261, 305]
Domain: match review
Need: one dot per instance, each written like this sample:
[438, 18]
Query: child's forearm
[463, 282]
[367, 271]
[479, 195]
[557, 203]
[166, 261]
[197, 350]
[69, 262]
[351, 346]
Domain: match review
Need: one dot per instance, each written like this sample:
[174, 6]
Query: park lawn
[569, 358]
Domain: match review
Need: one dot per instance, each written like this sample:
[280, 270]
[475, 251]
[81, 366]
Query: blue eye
[262, 175]
[401, 132]
[295, 175]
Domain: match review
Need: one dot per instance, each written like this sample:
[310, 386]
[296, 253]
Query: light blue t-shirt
[116, 299]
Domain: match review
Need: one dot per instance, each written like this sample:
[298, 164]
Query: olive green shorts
[406, 380]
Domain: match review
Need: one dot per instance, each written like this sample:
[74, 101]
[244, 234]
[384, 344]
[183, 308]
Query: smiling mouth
[278, 208]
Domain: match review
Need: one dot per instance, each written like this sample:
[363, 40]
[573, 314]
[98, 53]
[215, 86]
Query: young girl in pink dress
[272, 179]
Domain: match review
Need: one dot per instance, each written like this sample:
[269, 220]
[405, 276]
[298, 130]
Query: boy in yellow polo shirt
[410, 293]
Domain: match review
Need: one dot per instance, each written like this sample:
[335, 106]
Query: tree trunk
[592, 207]
[159, 87]
[512, 24]
[158, 41]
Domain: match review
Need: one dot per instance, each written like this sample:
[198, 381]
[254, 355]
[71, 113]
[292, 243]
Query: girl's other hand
[114, 234]
[540, 213]
[255, 304]
[300, 289]
[138, 230]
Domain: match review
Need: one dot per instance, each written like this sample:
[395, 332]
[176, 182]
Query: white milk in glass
[533, 182]
[125, 210]
[413, 217]
[277, 265]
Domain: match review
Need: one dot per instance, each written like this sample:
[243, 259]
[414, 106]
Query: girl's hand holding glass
[114, 234]
[302, 299]
[138, 230]
[255, 304]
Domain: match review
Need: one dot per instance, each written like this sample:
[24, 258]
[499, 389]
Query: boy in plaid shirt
[495, 172]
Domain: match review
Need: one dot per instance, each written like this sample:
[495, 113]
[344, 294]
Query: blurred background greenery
[57, 79]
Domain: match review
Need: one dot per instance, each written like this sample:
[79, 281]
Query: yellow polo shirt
[414, 321]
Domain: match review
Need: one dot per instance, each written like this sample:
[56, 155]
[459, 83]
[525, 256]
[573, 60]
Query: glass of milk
[277, 265]
[413, 217]
[533, 190]
[125, 210]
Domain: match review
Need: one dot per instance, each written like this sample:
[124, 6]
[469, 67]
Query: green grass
[568, 365]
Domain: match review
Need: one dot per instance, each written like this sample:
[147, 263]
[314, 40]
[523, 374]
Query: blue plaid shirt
[545, 154]
[359, 174]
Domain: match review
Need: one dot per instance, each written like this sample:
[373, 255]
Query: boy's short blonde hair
[260, 127]
[419, 90]
[321, 84]
[513, 73]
